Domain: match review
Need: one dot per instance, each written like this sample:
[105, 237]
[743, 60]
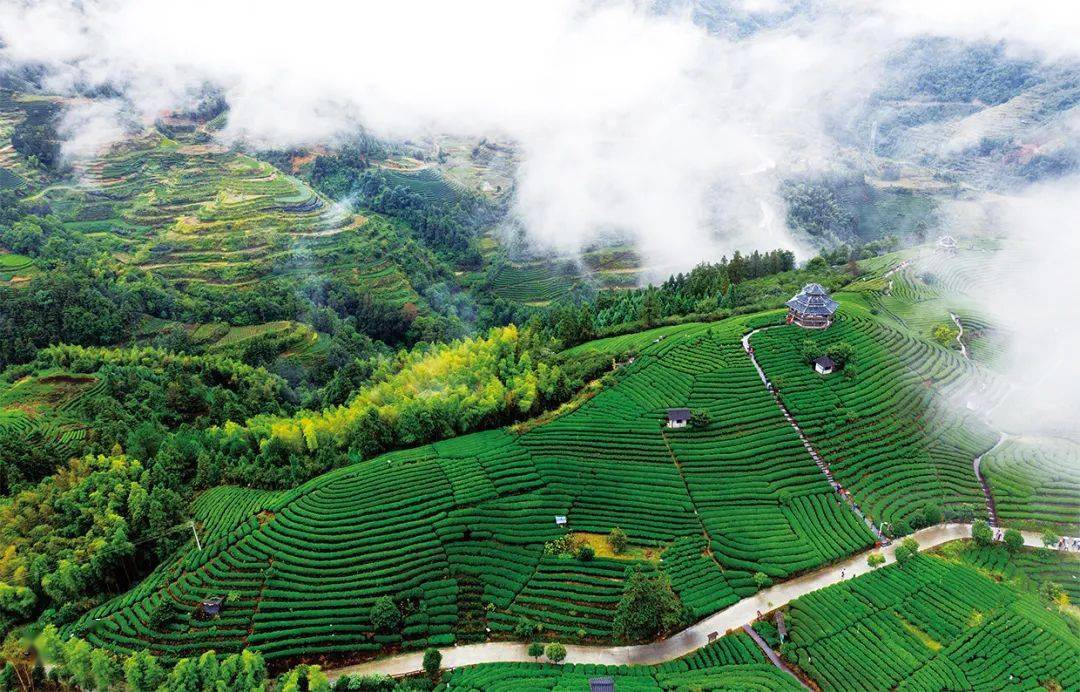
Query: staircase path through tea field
[805, 441]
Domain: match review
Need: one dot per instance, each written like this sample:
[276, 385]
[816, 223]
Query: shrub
[142, 672]
[563, 545]
[555, 652]
[875, 559]
[617, 540]
[761, 580]
[1014, 540]
[768, 632]
[964, 513]
[536, 650]
[526, 628]
[840, 352]
[1053, 592]
[162, 614]
[931, 515]
[586, 553]
[900, 528]
[907, 550]
[946, 335]
[385, 616]
[432, 662]
[1049, 538]
[981, 532]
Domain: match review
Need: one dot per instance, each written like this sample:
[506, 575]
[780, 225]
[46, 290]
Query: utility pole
[197, 541]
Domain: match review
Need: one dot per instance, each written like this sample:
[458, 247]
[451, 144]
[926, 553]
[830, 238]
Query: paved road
[680, 643]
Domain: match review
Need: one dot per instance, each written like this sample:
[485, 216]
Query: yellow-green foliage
[56, 535]
[437, 392]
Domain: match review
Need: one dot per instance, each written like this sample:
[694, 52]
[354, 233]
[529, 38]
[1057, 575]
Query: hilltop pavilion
[812, 308]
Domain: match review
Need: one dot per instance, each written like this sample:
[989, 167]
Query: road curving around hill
[681, 643]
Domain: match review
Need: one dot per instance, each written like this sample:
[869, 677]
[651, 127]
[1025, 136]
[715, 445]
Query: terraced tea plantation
[1028, 569]
[198, 213]
[16, 171]
[535, 284]
[16, 269]
[45, 409]
[932, 625]
[1036, 482]
[454, 532]
[730, 663]
[889, 434]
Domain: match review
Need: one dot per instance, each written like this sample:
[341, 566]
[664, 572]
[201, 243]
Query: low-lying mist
[632, 120]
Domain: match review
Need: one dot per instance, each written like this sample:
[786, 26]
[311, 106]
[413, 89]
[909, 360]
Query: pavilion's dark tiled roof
[678, 414]
[813, 300]
[825, 362]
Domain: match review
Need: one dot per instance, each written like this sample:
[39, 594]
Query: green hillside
[733, 662]
[200, 213]
[447, 529]
[931, 625]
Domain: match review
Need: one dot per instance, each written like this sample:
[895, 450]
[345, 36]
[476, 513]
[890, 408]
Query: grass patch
[599, 543]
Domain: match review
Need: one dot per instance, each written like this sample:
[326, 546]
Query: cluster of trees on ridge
[72, 535]
[449, 227]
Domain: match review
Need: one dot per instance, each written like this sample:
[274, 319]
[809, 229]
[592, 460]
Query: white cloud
[627, 119]
[1048, 28]
[1028, 288]
[89, 126]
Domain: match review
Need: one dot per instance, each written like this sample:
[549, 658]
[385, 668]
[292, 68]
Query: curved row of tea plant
[1036, 482]
[453, 533]
[732, 662]
[930, 625]
[885, 425]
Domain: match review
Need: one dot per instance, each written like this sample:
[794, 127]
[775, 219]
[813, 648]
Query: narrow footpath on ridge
[991, 508]
[681, 643]
[749, 350]
[960, 335]
[770, 654]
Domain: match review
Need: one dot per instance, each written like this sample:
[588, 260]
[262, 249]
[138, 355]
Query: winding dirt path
[976, 464]
[960, 336]
[681, 643]
[991, 507]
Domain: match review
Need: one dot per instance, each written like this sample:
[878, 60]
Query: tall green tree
[142, 672]
[649, 606]
[184, 677]
[105, 669]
